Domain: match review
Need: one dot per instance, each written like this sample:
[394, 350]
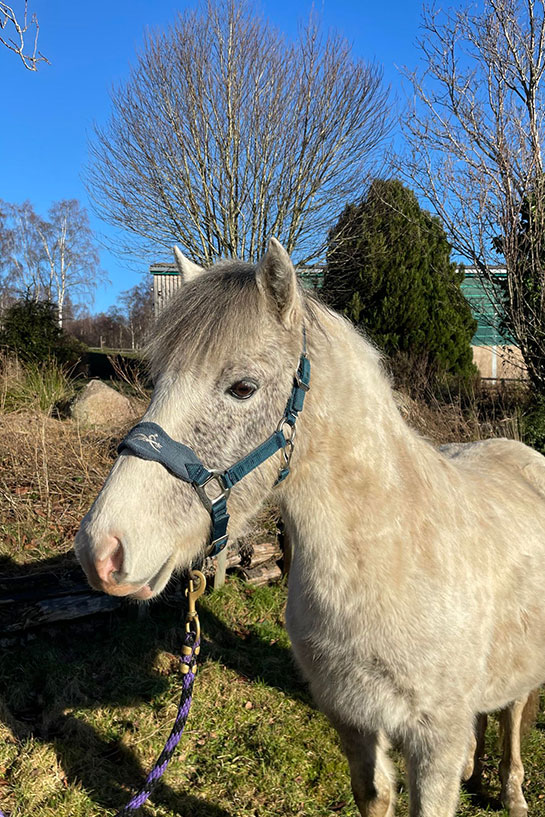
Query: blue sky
[47, 117]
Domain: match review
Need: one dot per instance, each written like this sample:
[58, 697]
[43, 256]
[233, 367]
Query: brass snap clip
[197, 586]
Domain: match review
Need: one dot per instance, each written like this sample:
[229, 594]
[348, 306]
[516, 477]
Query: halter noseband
[150, 442]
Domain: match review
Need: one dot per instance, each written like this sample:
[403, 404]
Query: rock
[98, 404]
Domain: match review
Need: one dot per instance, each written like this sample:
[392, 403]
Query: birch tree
[225, 133]
[475, 135]
[20, 252]
[49, 259]
[137, 309]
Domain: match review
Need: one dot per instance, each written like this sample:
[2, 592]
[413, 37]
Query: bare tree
[476, 134]
[7, 289]
[54, 257]
[137, 310]
[106, 329]
[225, 134]
[18, 25]
[21, 254]
[71, 258]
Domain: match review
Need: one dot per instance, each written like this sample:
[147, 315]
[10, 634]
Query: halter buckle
[209, 501]
[301, 383]
[214, 549]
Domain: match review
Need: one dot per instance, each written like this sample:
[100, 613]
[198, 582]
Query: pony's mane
[208, 315]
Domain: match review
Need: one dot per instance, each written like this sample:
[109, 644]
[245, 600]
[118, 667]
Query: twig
[7, 16]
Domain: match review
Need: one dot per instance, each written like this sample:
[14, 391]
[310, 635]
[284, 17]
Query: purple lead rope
[176, 733]
[190, 651]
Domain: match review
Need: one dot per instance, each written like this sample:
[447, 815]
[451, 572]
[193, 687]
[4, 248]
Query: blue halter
[150, 442]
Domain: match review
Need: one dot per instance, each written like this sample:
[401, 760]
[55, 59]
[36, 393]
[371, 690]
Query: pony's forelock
[214, 312]
[221, 309]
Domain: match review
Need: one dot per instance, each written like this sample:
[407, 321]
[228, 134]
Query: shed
[495, 354]
[166, 281]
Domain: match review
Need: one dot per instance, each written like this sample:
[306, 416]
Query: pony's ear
[277, 280]
[187, 268]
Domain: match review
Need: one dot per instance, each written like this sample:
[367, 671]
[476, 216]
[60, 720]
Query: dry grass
[492, 412]
[50, 472]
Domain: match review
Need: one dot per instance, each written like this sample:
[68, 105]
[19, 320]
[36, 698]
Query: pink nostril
[109, 566]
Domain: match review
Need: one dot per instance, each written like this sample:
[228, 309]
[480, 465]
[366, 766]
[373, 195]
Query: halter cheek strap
[150, 442]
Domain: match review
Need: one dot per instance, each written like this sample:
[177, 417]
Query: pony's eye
[242, 389]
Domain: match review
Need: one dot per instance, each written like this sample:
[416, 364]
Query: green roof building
[485, 301]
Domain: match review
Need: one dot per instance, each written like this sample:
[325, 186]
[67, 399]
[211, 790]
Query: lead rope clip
[197, 586]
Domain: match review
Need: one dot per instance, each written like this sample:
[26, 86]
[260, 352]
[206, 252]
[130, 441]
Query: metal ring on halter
[290, 436]
[286, 452]
[208, 501]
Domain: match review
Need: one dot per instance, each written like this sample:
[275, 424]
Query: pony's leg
[435, 768]
[469, 768]
[511, 768]
[472, 774]
[371, 773]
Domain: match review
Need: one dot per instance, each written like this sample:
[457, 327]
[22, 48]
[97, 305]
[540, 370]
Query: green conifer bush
[389, 271]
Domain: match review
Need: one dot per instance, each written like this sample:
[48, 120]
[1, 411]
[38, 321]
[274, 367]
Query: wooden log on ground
[264, 552]
[266, 573]
[40, 598]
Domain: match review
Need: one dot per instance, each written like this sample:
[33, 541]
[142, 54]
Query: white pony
[416, 591]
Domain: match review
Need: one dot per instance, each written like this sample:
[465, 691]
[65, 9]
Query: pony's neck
[358, 465]
[352, 415]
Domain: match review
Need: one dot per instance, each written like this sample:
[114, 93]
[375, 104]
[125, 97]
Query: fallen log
[265, 552]
[47, 611]
[262, 552]
[262, 574]
[41, 598]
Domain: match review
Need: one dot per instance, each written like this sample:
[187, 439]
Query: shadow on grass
[111, 774]
[109, 660]
[480, 798]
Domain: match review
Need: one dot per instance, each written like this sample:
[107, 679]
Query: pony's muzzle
[106, 573]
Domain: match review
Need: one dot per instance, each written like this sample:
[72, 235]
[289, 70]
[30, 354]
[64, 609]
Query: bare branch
[10, 22]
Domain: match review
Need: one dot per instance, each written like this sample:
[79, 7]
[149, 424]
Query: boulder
[98, 405]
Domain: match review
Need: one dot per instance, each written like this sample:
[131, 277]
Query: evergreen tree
[31, 329]
[389, 271]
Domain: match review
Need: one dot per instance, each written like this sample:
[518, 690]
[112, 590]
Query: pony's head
[223, 360]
